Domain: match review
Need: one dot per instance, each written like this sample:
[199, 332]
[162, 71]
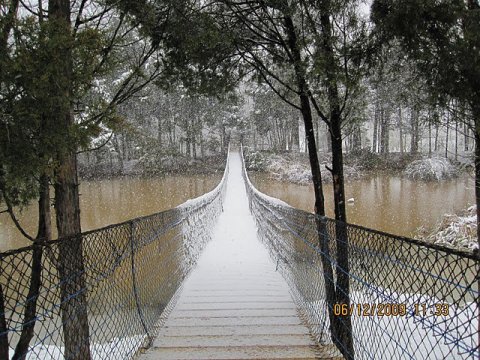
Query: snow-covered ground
[293, 168]
[459, 231]
[123, 348]
[410, 336]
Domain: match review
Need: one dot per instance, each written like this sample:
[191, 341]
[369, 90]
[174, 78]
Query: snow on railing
[408, 299]
[132, 272]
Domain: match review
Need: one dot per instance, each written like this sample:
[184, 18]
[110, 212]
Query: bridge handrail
[387, 273]
[132, 272]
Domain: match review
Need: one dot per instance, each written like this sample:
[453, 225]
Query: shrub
[255, 161]
[431, 169]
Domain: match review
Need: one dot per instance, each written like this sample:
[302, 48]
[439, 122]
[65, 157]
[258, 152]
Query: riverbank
[404, 195]
[153, 167]
[295, 167]
[455, 230]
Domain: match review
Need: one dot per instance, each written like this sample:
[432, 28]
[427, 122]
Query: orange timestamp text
[391, 309]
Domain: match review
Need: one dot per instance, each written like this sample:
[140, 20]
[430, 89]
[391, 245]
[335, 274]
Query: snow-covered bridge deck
[234, 305]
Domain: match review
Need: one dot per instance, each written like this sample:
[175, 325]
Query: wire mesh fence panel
[408, 299]
[129, 274]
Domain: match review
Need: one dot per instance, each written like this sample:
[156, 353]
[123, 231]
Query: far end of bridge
[235, 305]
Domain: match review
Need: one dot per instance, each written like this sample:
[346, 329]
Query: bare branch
[98, 147]
[12, 213]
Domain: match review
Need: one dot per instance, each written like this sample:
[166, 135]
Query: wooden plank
[284, 320]
[235, 313]
[237, 305]
[234, 330]
[188, 299]
[231, 353]
[234, 340]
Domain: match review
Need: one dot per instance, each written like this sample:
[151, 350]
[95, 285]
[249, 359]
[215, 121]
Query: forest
[111, 85]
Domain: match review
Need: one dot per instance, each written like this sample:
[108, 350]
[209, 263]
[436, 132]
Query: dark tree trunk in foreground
[315, 168]
[342, 329]
[71, 263]
[67, 206]
[4, 348]
[44, 233]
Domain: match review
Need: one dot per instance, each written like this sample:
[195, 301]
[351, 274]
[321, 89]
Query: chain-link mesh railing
[408, 299]
[131, 272]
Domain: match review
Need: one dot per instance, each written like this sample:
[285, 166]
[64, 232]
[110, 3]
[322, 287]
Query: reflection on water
[108, 202]
[383, 202]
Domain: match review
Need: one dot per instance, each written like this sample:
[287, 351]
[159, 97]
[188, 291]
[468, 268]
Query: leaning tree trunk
[71, 263]
[315, 168]
[44, 233]
[342, 334]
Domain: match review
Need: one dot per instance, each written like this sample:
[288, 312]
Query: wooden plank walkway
[234, 305]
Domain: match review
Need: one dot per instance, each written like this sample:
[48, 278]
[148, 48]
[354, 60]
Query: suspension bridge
[236, 274]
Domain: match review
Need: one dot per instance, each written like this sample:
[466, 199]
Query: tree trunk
[4, 347]
[446, 137]
[414, 131]
[343, 326]
[466, 139]
[4, 332]
[224, 139]
[375, 129]
[385, 131]
[400, 128]
[71, 264]
[429, 138]
[194, 145]
[329, 139]
[356, 138]
[456, 139]
[44, 233]
[476, 119]
[187, 139]
[120, 153]
[315, 168]
[8, 22]
[159, 133]
[295, 135]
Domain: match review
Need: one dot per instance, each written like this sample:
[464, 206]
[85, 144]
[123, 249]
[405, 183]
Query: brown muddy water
[105, 202]
[383, 202]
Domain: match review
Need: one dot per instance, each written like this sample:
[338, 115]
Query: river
[105, 202]
[384, 202]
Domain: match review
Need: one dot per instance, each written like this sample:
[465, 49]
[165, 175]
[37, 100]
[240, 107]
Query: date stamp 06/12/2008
[391, 309]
